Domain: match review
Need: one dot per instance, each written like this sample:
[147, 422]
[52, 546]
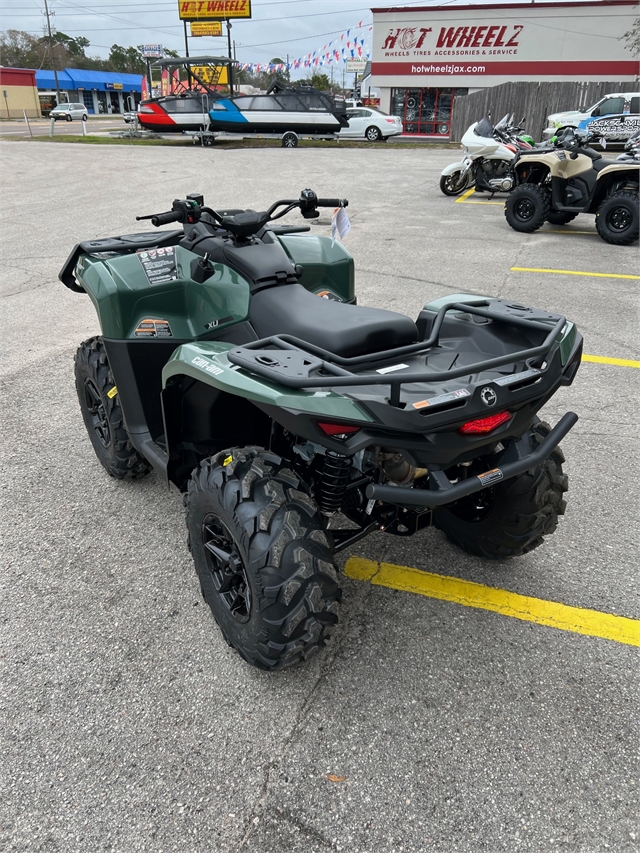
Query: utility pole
[230, 57]
[53, 57]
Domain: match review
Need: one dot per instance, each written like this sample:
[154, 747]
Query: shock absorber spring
[334, 476]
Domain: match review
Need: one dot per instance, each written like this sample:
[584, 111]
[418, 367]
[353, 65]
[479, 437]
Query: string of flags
[339, 49]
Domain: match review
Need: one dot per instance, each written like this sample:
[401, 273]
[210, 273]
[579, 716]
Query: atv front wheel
[262, 556]
[617, 219]
[527, 208]
[512, 518]
[102, 414]
[560, 217]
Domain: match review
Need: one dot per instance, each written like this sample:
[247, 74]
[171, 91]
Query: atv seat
[346, 330]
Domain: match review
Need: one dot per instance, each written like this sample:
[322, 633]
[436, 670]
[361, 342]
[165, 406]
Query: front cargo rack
[294, 363]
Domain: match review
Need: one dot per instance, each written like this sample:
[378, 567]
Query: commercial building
[19, 93]
[99, 91]
[422, 57]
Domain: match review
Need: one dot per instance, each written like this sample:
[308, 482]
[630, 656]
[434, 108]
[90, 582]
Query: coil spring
[334, 477]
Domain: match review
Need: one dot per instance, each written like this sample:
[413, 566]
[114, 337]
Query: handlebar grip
[166, 218]
[332, 202]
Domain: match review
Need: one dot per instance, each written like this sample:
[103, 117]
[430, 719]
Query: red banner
[504, 69]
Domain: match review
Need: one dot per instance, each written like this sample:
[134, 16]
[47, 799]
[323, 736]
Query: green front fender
[207, 362]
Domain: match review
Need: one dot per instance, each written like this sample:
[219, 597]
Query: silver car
[367, 123]
[69, 111]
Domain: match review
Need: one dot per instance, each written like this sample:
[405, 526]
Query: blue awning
[46, 80]
[80, 78]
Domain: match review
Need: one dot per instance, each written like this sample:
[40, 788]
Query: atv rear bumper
[441, 491]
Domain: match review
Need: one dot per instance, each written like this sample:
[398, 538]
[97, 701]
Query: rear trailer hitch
[443, 492]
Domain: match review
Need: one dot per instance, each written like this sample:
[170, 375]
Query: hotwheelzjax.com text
[447, 69]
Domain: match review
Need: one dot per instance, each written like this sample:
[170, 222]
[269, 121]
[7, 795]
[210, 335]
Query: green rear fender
[207, 362]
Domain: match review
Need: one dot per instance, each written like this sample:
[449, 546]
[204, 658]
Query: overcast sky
[277, 28]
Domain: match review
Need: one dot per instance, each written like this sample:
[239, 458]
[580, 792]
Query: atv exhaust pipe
[444, 494]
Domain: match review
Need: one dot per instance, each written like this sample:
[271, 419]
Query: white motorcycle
[489, 153]
[633, 149]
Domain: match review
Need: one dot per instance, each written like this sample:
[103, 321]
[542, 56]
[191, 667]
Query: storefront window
[425, 111]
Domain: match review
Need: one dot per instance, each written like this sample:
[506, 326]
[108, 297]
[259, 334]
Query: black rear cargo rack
[289, 361]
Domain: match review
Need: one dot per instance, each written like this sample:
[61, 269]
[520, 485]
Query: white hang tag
[340, 225]
[603, 142]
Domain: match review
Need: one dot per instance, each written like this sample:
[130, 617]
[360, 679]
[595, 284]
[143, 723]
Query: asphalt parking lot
[127, 722]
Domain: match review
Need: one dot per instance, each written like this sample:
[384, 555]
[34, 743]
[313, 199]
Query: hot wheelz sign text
[213, 10]
[571, 41]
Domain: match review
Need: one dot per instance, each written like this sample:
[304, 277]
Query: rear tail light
[482, 426]
[337, 430]
[390, 120]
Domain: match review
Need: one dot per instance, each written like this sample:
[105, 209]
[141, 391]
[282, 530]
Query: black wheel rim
[227, 569]
[475, 507]
[524, 209]
[454, 182]
[98, 413]
[620, 218]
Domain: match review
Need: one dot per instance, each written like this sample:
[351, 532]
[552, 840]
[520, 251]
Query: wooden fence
[534, 101]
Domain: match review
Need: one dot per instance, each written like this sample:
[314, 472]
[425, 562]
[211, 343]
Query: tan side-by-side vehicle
[555, 185]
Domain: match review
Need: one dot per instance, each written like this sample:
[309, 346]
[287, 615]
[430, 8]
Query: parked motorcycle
[489, 153]
[631, 152]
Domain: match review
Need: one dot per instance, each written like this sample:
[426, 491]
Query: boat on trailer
[187, 109]
[297, 109]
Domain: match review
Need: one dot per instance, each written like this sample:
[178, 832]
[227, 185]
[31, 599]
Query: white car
[367, 123]
[69, 112]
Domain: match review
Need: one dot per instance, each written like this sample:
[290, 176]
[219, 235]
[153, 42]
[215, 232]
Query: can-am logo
[498, 38]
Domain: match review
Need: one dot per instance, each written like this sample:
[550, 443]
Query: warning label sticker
[149, 328]
[159, 264]
[443, 398]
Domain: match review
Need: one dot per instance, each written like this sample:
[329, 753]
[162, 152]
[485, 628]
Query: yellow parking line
[574, 272]
[578, 620]
[466, 195]
[603, 359]
[463, 199]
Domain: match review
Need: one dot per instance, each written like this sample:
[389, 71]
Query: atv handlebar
[242, 223]
[165, 218]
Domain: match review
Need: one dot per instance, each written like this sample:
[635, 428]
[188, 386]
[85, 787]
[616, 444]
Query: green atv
[234, 361]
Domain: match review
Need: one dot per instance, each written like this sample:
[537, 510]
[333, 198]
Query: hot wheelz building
[422, 57]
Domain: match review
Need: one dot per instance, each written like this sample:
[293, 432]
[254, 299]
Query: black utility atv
[556, 184]
[296, 424]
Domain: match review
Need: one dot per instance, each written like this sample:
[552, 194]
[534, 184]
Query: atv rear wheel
[512, 518]
[527, 208]
[617, 219]
[102, 414]
[262, 556]
[560, 217]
